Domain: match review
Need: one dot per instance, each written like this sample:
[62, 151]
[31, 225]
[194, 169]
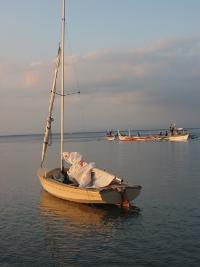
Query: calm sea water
[39, 230]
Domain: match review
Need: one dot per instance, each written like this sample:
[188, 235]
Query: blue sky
[34, 26]
[139, 59]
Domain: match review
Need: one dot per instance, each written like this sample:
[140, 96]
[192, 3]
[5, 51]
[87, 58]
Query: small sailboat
[79, 182]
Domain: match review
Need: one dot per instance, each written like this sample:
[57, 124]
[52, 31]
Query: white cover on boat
[79, 170]
[85, 179]
[82, 172]
[102, 178]
[72, 157]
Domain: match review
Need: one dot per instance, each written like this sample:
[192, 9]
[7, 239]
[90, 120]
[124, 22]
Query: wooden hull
[110, 138]
[125, 138]
[87, 195]
[160, 138]
[178, 138]
[136, 138]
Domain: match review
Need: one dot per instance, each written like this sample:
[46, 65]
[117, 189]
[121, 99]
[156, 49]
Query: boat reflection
[68, 225]
[76, 214]
[69, 211]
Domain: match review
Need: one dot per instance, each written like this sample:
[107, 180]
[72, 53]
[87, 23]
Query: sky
[135, 62]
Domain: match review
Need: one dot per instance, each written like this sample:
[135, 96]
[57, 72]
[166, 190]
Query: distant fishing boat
[110, 136]
[79, 182]
[173, 134]
[178, 134]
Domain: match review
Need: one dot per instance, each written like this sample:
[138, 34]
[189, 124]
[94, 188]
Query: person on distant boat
[172, 129]
[166, 133]
[109, 133]
[160, 133]
[138, 134]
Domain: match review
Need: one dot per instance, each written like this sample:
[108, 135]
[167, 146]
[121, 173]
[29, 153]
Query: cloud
[145, 86]
[111, 70]
[31, 79]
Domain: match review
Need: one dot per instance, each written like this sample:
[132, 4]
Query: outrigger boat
[79, 182]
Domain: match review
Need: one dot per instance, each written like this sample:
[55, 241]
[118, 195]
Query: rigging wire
[77, 87]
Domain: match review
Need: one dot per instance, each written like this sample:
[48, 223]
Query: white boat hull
[179, 138]
[110, 138]
[73, 193]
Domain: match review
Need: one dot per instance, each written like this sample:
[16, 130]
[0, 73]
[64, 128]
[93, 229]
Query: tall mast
[62, 84]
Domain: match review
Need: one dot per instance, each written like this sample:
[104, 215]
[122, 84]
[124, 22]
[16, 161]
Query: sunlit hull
[179, 138]
[108, 195]
[136, 138]
[110, 138]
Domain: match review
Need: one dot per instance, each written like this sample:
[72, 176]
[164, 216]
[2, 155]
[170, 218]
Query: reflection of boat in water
[129, 138]
[74, 212]
[68, 226]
